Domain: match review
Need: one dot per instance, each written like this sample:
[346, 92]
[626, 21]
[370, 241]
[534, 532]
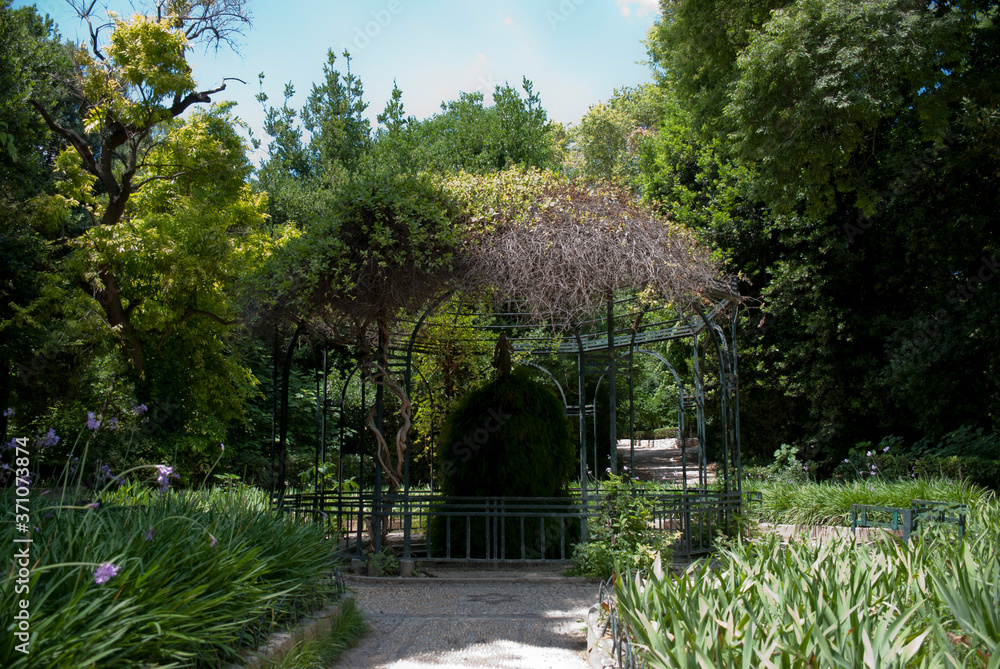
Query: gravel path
[502, 623]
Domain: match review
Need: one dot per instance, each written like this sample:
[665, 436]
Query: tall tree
[844, 157]
[33, 62]
[128, 87]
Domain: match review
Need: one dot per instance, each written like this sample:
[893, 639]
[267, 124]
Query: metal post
[612, 399]
[322, 437]
[631, 405]
[582, 400]
[379, 402]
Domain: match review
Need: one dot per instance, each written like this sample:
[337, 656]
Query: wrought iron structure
[605, 347]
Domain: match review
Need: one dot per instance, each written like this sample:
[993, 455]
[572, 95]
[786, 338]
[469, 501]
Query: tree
[169, 225]
[466, 135]
[127, 88]
[33, 62]
[610, 134]
[843, 158]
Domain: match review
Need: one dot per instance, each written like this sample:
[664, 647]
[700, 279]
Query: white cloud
[642, 7]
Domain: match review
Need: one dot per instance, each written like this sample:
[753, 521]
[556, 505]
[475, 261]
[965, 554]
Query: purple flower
[8, 412]
[92, 422]
[104, 474]
[214, 542]
[112, 423]
[150, 534]
[164, 474]
[885, 450]
[847, 461]
[222, 447]
[105, 573]
[869, 454]
[608, 470]
[10, 444]
[93, 505]
[139, 409]
[48, 439]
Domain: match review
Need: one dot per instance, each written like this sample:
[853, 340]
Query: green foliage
[383, 563]
[384, 244]
[966, 442]
[830, 503]
[923, 604]
[608, 137]
[198, 576]
[809, 143]
[468, 136]
[509, 438]
[321, 652]
[786, 468]
[620, 539]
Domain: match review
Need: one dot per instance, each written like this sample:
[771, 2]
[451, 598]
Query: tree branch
[70, 136]
[163, 177]
[188, 311]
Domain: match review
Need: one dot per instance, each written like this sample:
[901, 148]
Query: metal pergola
[605, 346]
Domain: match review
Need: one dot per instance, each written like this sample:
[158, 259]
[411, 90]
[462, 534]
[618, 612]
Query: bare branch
[215, 22]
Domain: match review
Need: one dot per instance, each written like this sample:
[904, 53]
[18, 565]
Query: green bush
[620, 538]
[890, 461]
[195, 578]
[786, 468]
[509, 438]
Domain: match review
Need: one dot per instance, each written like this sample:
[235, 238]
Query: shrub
[509, 438]
[621, 538]
[786, 467]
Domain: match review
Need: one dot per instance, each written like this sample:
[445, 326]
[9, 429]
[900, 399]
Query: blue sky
[576, 52]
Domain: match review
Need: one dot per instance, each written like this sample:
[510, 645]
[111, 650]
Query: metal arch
[407, 374]
[597, 387]
[554, 380]
[680, 412]
[728, 389]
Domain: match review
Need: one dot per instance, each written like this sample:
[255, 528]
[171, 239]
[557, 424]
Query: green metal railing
[495, 529]
[908, 521]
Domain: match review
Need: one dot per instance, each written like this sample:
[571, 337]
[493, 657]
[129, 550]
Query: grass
[322, 651]
[830, 503]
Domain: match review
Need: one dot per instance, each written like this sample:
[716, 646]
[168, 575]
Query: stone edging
[599, 648]
[280, 644]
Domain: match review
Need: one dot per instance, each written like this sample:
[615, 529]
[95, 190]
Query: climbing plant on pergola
[392, 245]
